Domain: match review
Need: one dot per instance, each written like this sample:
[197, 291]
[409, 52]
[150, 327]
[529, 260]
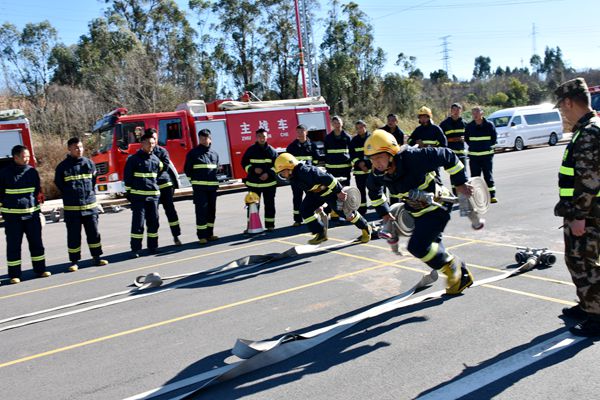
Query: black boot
[588, 328]
[575, 312]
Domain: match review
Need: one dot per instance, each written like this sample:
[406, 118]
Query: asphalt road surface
[502, 340]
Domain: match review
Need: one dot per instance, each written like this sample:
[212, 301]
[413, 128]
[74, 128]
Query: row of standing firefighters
[149, 182]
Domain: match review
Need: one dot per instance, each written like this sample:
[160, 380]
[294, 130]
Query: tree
[439, 76]
[517, 93]
[499, 99]
[25, 59]
[482, 68]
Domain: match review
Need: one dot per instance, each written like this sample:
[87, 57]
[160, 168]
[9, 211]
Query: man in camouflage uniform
[579, 184]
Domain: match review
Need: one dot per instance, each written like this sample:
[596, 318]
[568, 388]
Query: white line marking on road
[472, 382]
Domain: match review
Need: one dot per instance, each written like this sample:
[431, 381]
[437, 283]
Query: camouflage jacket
[585, 152]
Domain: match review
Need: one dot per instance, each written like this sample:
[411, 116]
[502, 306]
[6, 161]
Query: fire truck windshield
[105, 140]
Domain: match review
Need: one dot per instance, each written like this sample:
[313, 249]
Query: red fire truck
[232, 124]
[14, 130]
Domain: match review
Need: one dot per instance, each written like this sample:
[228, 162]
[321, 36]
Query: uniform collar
[584, 120]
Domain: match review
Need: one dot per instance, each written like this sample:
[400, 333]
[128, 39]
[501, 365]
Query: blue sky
[499, 29]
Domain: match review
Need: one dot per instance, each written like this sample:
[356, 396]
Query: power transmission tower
[533, 39]
[446, 54]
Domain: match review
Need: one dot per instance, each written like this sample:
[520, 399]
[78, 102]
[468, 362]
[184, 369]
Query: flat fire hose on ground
[260, 354]
[154, 280]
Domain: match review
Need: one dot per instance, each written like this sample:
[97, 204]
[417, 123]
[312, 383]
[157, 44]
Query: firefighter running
[304, 150]
[201, 165]
[75, 177]
[409, 172]
[258, 162]
[320, 188]
[141, 171]
[20, 207]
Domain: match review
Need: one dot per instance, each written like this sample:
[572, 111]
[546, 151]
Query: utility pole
[301, 51]
[533, 39]
[446, 53]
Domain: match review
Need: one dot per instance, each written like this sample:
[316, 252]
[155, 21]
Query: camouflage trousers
[582, 258]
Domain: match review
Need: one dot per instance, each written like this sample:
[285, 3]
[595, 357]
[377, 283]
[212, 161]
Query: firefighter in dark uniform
[258, 162]
[167, 183]
[579, 189]
[141, 172]
[454, 129]
[20, 207]
[306, 151]
[75, 177]
[337, 154]
[427, 134]
[410, 172]
[360, 163]
[201, 166]
[480, 136]
[392, 127]
[320, 188]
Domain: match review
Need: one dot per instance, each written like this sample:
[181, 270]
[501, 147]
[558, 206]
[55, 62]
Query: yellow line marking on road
[527, 275]
[528, 294]
[475, 241]
[185, 317]
[133, 270]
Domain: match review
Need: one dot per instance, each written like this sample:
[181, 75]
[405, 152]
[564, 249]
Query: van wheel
[519, 145]
[553, 139]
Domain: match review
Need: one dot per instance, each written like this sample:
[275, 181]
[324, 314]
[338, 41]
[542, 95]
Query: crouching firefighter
[320, 188]
[75, 177]
[410, 173]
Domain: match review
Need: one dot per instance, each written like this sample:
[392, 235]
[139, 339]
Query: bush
[49, 150]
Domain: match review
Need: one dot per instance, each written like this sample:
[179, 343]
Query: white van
[524, 126]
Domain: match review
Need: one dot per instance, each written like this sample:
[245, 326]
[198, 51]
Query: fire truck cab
[232, 125]
[14, 130]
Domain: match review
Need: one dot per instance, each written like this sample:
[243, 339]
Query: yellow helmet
[425, 111]
[285, 161]
[381, 141]
[251, 197]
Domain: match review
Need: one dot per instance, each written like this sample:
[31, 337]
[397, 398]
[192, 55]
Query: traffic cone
[254, 222]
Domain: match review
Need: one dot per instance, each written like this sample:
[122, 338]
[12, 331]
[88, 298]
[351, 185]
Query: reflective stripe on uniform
[137, 235]
[261, 161]
[20, 210]
[81, 208]
[481, 153]
[77, 177]
[451, 131]
[13, 263]
[145, 192]
[338, 165]
[94, 245]
[259, 185]
[456, 168]
[433, 249]
[174, 223]
[205, 183]
[480, 138]
[165, 185]
[205, 166]
[152, 235]
[361, 172]
[309, 219]
[377, 202]
[337, 151]
[145, 174]
[38, 258]
[423, 211]
[20, 191]
[77, 250]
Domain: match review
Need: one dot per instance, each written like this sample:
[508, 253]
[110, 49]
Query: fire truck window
[131, 132]
[169, 129]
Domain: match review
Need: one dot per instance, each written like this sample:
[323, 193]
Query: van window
[499, 122]
[517, 120]
[169, 129]
[542, 118]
